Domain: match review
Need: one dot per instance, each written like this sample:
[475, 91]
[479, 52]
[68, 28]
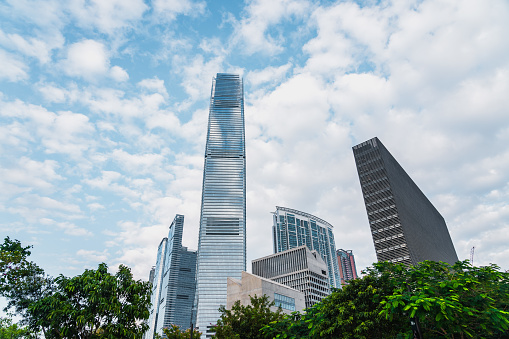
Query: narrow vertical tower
[222, 239]
[173, 282]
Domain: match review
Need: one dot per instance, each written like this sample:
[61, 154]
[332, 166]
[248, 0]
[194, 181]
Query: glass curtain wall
[294, 228]
[222, 237]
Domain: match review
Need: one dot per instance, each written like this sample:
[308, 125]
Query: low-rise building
[250, 285]
[299, 268]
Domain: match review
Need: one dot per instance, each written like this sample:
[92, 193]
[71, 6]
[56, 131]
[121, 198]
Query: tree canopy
[174, 332]
[95, 304]
[451, 301]
[245, 322]
[10, 330]
[458, 301]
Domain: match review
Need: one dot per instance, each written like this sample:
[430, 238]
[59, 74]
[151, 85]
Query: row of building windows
[389, 238]
[391, 248]
[284, 302]
[385, 228]
[382, 209]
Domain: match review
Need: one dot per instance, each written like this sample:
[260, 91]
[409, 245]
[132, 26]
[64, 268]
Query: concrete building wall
[251, 285]
[298, 268]
[293, 228]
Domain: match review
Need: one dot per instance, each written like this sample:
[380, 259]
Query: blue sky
[104, 105]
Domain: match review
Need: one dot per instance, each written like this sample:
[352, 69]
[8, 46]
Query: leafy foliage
[245, 322]
[8, 330]
[22, 282]
[95, 304]
[449, 301]
[351, 312]
[354, 311]
[452, 300]
[174, 332]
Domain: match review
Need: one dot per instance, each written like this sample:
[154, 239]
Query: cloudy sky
[104, 105]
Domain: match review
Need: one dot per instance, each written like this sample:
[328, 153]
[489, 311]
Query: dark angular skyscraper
[404, 224]
[222, 238]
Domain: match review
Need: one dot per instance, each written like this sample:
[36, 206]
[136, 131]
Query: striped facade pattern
[386, 229]
[222, 235]
[292, 228]
[404, 224]
[298, 268]
[174, 282]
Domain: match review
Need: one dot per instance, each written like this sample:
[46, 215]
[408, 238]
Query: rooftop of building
[295, 249]
[310, 216]
[263, 279]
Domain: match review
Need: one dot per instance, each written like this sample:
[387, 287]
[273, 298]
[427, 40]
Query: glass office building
[294, 228]
[405, 225]
[222, 236]
[173, 282]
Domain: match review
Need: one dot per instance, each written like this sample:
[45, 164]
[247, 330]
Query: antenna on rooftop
[472, 255]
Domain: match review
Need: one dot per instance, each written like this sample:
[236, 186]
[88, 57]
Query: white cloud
[155, 84]
[31, 173]
[12, 69]
[106, 180]
[53, 93]
[169, 9]
[119, 74]
[39, 48]
[71, 229]
[428, 77]
[45, 14]
[269, 74]
[197, 74]
[138, 163]
[91, 255]
[87, 59]
[107, 16]
[251, 31]
[95, 206]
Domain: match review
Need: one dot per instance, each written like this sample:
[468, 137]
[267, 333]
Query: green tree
[95, 304]
[354, 311]
[22, 282]
[9, 330]
[452, 301]
[245, 322]
[174, 332]
[295, 325]
[351, 312]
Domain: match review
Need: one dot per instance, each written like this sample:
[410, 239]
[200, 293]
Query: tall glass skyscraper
[222, 238]
[294, 228]
[173, 282]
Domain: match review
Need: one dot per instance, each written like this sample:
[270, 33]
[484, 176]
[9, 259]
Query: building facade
[346, 263]
[173, 282]
[250, 285]
[299, 268]
[405, 225]
[292, 228]
[222, 235]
